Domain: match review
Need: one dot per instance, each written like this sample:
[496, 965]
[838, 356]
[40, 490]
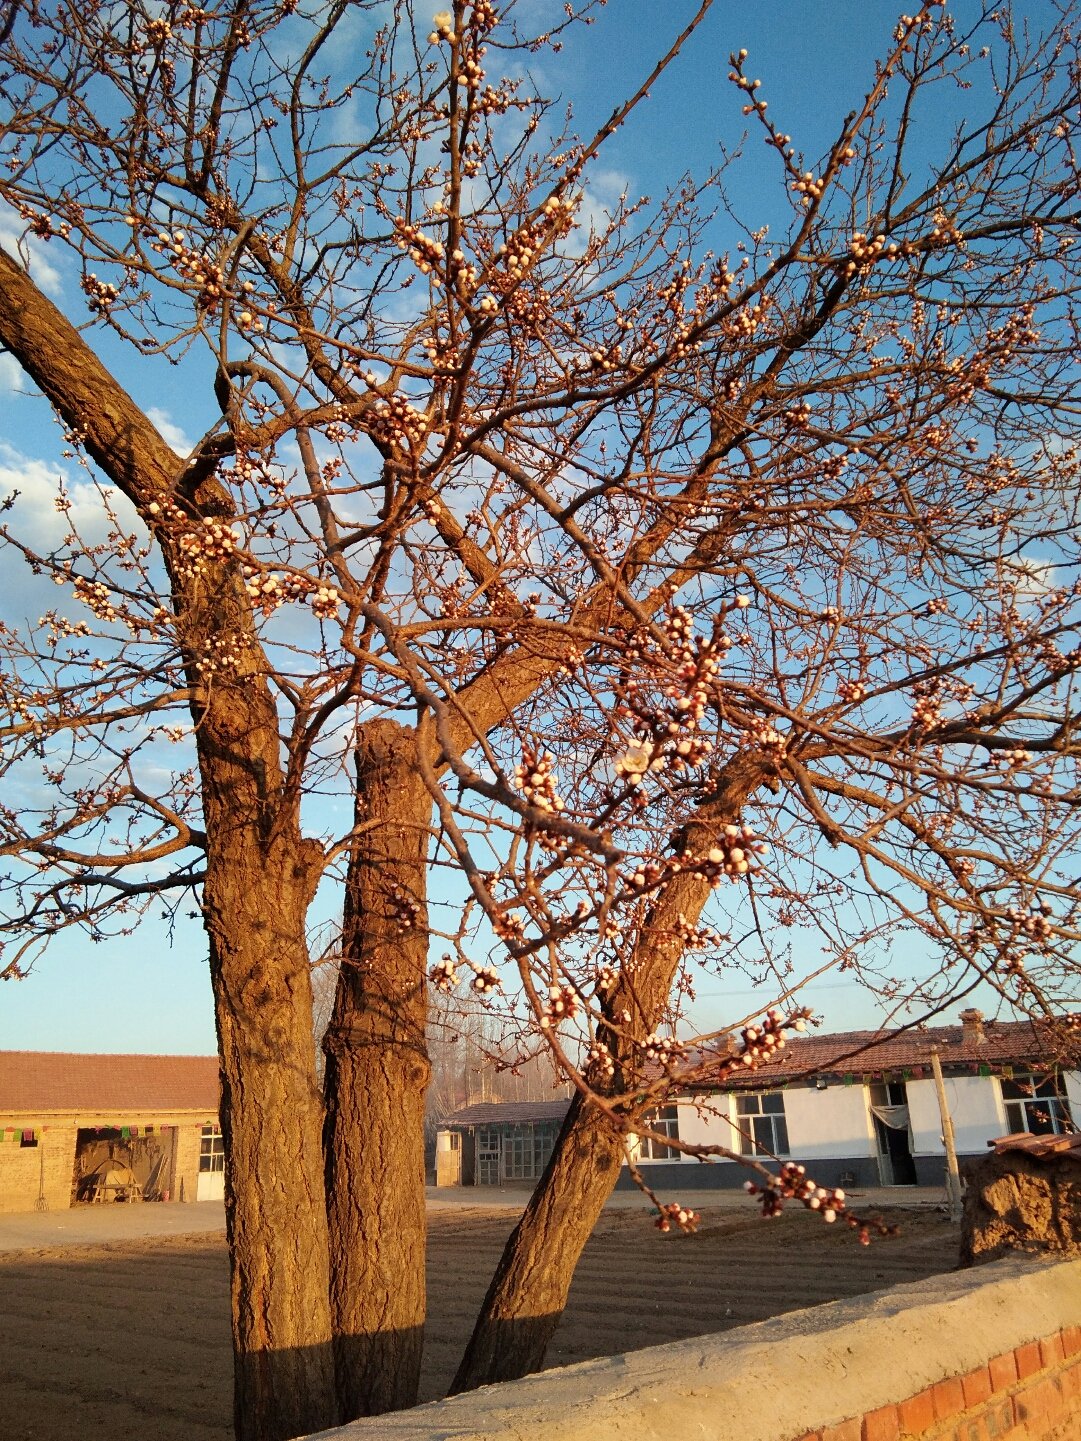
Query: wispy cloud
[169, 431]
[15, 239]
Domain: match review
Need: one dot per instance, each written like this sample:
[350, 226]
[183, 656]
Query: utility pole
[953, 1175]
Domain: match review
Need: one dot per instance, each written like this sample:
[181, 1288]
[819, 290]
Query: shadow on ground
[132, 1339]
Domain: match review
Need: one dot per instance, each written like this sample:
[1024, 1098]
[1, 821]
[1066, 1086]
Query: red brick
[949, 1398]
[977, 1387]
[1028, 1360]
[918, 1413]
[1003, 1371]
[882, 1425]
[998, 1420]
[1070, 1376]
[1051, 1353]
[1041, 1405]
[849, 1430]
[1071, 1340]
[845, 1431]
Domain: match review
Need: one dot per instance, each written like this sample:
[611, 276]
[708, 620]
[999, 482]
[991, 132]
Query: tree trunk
[271, 1113]
[529, 1291]
[376, 1078]
[260, 877]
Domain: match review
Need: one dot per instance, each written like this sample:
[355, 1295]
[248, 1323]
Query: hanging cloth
[896, 1117]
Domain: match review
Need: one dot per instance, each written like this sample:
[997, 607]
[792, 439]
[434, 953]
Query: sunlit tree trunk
[376, 1079]
[528, 1293]
[260, 876]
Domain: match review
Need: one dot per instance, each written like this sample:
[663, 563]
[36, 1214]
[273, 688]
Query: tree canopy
[653, 588]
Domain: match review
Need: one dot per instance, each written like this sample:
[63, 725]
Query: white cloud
[169, 431]
[1033, 579]
[34, 518]
[31, 251]
[13, 378]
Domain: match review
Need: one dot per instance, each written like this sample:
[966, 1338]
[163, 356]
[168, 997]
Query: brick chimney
[972, 1033]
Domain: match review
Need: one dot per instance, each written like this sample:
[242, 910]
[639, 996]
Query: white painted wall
[829, 1124]
[835, 1124]
[707, 1125]
[975, 1104]
[822, 1125]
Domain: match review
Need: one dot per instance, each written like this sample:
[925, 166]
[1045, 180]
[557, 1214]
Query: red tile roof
[489, 1113]
[42, 1081]
[1068, 1146]
[860, 1053]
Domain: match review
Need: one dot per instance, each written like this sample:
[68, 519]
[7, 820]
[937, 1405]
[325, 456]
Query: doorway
[889, 1112]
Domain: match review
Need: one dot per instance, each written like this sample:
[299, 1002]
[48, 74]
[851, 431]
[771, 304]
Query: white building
[861, 1109]
[857, 1108]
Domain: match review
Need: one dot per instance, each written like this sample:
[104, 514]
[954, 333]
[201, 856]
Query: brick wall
[185, 1182]
[1031, 1393]
[21, 1168]
[57, 1136]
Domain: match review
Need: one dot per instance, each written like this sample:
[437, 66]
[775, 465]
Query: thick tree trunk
[376, 1078]
[271, 1114]
[529, 1291]
[260, 877]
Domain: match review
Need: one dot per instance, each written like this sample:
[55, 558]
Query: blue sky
[150, 991]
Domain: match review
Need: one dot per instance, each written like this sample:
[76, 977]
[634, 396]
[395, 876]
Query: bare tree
[605, 567]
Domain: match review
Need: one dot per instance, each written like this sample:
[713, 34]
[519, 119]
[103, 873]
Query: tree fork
[377, 1072]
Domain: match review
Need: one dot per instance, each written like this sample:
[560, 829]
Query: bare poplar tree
[667, 585]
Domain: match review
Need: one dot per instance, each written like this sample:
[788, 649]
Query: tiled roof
[861, 1053]
[43, 1081]
[487, 1113]
[1044, 1146]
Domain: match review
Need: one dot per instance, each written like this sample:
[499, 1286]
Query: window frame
[666, 1120]
[211, 1151]
[762, 1123]
[1047, 1093]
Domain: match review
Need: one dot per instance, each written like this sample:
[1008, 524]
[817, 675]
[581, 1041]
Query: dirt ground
[131, 1340]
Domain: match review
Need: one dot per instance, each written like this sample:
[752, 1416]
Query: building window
[29, 1138]
[762, 1127]
[888, 1093]
[211, 1150]
[1036, 1103]
[665, 1120]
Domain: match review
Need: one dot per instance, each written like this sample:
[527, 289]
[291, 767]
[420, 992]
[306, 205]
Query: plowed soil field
[132, 1339]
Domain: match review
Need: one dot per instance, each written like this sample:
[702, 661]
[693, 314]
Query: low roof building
[71, 1123]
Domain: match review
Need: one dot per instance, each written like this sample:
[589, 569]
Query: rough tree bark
[529, 1290]
[259, 877]
[376, 1078]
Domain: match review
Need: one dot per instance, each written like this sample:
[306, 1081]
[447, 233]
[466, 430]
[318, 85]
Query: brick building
[74, 1127]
